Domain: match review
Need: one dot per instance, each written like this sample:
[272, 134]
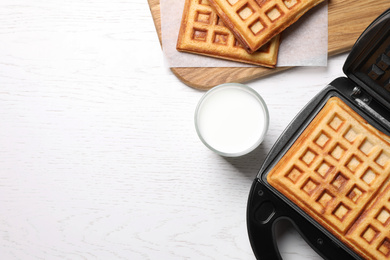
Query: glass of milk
[231, 119]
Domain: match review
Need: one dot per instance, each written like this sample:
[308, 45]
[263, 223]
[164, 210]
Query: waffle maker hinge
[363, 101]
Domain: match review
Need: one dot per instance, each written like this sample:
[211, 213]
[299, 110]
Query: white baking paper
[305, 43]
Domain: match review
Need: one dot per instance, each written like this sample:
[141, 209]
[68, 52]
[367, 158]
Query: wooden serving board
[347, 19]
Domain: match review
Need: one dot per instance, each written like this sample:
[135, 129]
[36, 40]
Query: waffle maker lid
[367, 89]
[368, 63]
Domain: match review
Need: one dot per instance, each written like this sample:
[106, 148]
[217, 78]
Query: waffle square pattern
[203, 32]
[338, 172]
[255, 22]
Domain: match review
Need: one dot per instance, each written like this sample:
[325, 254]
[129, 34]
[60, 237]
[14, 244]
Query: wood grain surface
[347, 20]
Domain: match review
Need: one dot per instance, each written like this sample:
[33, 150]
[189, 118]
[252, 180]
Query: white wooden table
[99, 158]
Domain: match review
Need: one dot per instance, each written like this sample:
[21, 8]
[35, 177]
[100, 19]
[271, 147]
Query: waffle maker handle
[266, 210]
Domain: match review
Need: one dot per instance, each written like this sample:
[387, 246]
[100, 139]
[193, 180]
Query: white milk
[231, 119]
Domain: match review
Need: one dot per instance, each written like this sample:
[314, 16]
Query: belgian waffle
[255, 22]
[203, 32]
[337, 171]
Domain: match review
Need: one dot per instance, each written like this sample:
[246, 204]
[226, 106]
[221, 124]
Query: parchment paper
[305, 43]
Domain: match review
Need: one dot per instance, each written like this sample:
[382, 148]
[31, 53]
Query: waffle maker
[366, 90]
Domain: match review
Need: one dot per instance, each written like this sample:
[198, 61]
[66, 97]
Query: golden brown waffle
[255, 22]
[202, 32]
[372, 228]
[337, 171]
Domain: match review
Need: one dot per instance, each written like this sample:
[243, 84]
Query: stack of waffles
[338, 172]
[240, 30]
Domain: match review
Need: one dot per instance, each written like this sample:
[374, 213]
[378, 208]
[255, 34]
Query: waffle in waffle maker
[329, 172]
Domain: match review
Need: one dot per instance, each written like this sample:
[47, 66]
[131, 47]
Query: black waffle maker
[366, 90]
